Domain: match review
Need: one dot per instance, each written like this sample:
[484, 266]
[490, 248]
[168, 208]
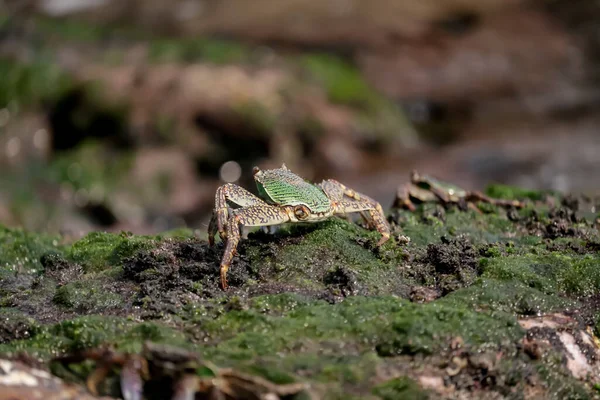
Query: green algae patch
[91, 167]
[428, 328]
[279, 304]
[215, 51]
[87, 296]
[552, 273]
[480, 229]
[160, 49]
[506, 296]
[346, 342]
[31, 84]
[561, 385]
[15, 325]
[91, 332]
[97, 250]
[20, 251]
[344, 84]
[400, 389]
[331, 253]
[500, 191]
[387, 325]
[342, 319]
[76, 31]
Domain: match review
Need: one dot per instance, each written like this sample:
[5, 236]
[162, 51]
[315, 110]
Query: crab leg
[346, 200]
[258, 215]
[403, 198]
[186, 387]
[226, 194]
[478, 196]
[132, 374]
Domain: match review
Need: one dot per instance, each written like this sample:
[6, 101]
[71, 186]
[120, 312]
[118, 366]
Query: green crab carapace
[285, 197]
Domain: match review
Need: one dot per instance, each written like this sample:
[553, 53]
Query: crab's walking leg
[478, 196]
[186, 387]
[134, 371]
[403, 198]
[259, 215]
[228, 193]
[346, 200]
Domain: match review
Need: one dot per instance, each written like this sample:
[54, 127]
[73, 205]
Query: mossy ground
[320, 303]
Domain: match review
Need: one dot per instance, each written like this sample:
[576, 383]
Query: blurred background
[128, 114]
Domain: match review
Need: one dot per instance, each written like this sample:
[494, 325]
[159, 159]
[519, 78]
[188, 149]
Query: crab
[162, 371]
[425, 189]
[286, 197]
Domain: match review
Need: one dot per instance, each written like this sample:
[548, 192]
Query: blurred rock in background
[126, 115]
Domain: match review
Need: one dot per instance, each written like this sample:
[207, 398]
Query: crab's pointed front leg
[257, 215]
[346, 200]
[226, 195]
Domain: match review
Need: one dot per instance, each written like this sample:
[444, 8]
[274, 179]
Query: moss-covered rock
[30, 84]
[86, 296]
[321, 303]
[400, 388]
[21, 251]
[98, 251]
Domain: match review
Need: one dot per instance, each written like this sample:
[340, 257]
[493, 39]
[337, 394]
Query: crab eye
[301, 212]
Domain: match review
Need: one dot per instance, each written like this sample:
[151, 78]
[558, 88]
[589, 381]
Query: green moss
[90, 332]
[86, 296]
[386, 324]
[28, 84]
[340, 348]
[326, 250]
[480, 229]
[500, 191]
[377, 117]
[4, 19]
[400, 388]
[177, 234]
[342, 343]
[510, 296]
[70, 29]
[212, 50]
[91, 167]
[551, 273]
[21, 251]
[15, 325]
[278, 304]
[97, 250]
[429, 328]
[343, 82]
[561, 385]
